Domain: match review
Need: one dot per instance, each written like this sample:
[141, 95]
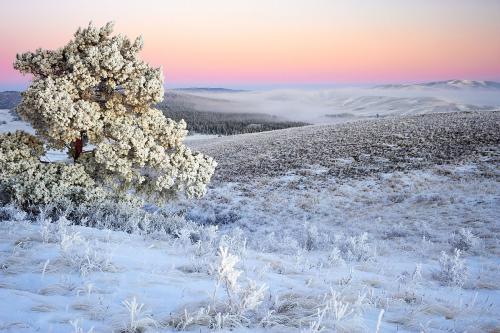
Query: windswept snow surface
[358, 148]
[11, 123]
[375, 243]
[323, 250]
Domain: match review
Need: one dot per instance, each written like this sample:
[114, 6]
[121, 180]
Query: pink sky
[275, 42]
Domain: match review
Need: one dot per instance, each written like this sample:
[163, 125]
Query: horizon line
[271, 85]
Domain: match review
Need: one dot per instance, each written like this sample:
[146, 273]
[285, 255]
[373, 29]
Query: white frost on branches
[28, 181]
[96, 87]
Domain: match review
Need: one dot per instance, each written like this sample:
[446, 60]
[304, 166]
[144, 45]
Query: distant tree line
[178, 106]
[226, 123]
[9, 99]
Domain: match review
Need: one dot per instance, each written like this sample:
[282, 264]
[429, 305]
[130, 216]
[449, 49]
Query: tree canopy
[96, 91]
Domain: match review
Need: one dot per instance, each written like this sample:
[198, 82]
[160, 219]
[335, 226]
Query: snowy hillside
[359, 148]
[450, 84]
[333, 105]
[387, 225]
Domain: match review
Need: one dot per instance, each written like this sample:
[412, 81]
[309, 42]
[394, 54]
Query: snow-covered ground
[319, 255]
[199, 137]
[11, 123]
[389, 225]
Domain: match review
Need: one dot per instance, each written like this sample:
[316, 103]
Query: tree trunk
[77, 148]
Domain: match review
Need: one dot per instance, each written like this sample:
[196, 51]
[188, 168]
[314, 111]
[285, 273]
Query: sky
[236, 43]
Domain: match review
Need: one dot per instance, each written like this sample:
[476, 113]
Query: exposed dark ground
[359, 148]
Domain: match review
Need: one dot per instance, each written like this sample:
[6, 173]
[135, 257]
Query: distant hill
[204, 115]
[209, 90]
[9, 99]
[449, 84]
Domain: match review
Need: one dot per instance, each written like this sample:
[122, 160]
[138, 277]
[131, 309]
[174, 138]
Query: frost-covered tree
[95, 97]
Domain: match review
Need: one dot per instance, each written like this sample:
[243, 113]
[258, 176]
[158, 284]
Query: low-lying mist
[341, 104]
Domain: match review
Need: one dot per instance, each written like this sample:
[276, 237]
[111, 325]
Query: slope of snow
[307, 250]
[450, 84]
[331, 254]
[9, 123]
[358, 148]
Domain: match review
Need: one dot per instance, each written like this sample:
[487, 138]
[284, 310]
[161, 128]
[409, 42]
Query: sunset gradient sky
[235, 43]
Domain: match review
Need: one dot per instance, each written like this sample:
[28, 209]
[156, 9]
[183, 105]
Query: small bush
[237, 309]
[356, 248]
[83, 256]
[12, 213]
[464, 240]
[121, 214]
[453, 271]
[139, 320]
[335, 257]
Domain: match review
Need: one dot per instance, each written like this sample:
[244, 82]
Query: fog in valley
[340, 104]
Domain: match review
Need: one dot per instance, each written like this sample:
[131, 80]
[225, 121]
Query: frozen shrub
[464, 240]
[314, 239]
[453, 271]
[237, 309]
[46, 229]
[273, 242]
[139, 320]
[430, 199]
[337, 307]
[250, 296]
[163, 222]
[235, 241]
[214, 215]
[83, 256]
[11, 212]
[356, 248]
[316, 325]
[413, 277]
[335, 257]
[227, 275]
[124, 215]
[396, 231]
[200, 243]
[312, 235]
[75, 324]
[192, 233]
[331, 312]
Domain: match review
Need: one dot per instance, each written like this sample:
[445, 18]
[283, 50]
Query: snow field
[417, 249]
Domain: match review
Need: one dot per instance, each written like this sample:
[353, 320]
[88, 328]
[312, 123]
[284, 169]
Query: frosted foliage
[29, 181]
[97, 87]
[453, 269]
